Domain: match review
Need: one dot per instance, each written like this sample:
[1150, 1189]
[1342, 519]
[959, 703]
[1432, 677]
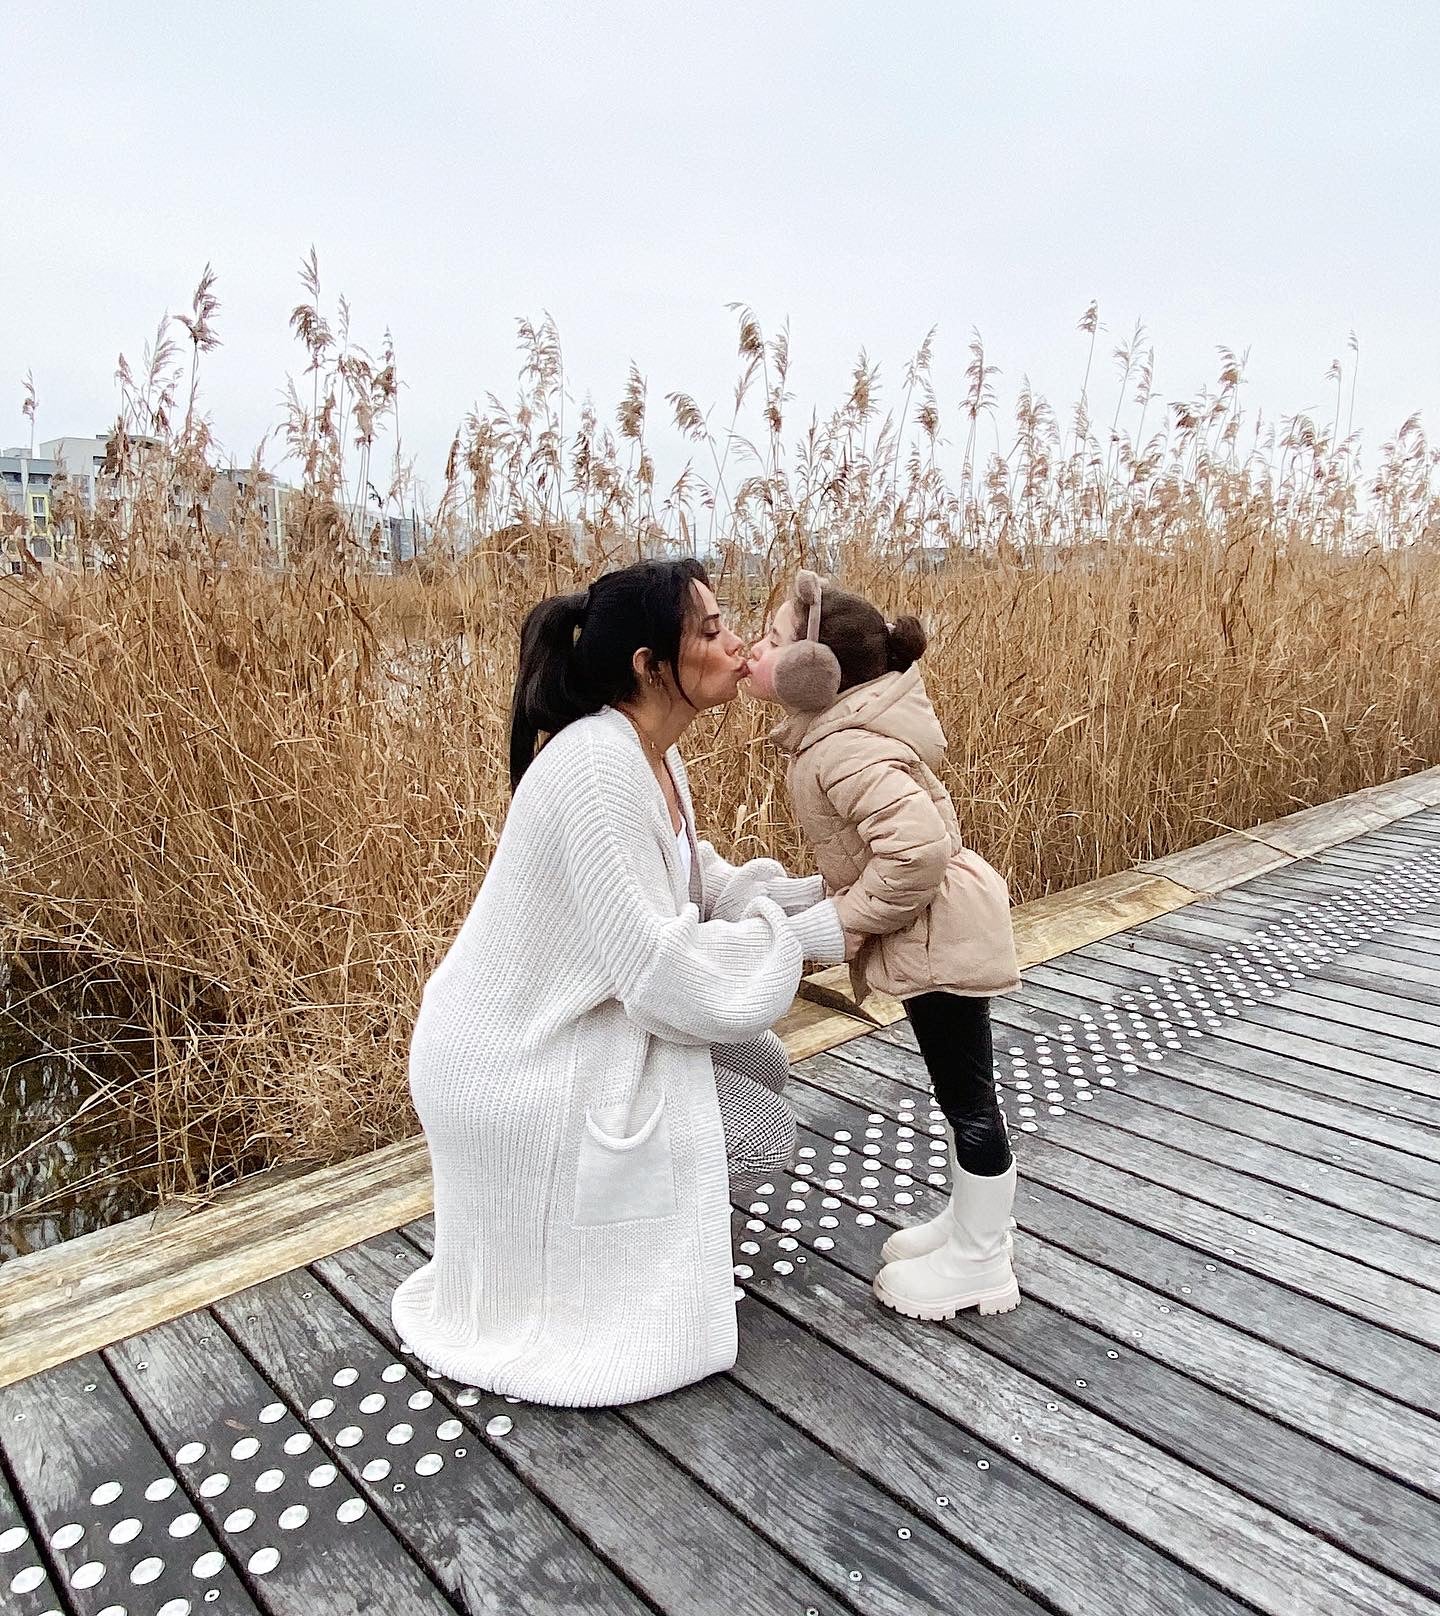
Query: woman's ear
[647, 671]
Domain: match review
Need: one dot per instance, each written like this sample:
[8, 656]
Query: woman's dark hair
[865, 645]
[577, 651]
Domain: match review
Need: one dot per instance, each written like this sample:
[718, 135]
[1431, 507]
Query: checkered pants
[759, 1125]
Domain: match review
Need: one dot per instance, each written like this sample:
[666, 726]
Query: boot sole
[1004, 1299]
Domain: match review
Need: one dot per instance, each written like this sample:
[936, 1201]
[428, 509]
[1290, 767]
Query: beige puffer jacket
[864, 781]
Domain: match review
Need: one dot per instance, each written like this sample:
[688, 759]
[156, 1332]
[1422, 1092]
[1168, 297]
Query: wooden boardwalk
[1221, 1394]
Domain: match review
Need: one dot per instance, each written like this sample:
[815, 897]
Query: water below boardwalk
[61, 1174]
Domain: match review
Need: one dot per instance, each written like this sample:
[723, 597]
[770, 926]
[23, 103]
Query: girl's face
[712, 656]
[764, 652]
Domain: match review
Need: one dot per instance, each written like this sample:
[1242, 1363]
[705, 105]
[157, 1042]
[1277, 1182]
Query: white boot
[971, 1269]
[924, 1238]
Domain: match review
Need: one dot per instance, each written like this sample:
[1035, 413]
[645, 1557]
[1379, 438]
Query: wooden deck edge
[91, 1292]
[1238, 855]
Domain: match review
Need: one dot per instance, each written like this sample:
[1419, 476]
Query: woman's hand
[854, 942]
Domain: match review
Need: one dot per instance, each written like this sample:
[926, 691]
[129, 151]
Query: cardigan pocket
[625, 1178]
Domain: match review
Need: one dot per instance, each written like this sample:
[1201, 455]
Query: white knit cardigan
[560, 1065]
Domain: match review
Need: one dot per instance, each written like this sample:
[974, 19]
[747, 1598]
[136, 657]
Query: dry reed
[246, 808]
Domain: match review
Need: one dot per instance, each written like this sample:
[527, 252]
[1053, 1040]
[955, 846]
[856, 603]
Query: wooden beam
[58, 1303]
[1220, 863]
[1068, 920]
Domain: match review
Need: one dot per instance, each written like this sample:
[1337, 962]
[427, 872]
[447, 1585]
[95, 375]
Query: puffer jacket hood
[896, 705]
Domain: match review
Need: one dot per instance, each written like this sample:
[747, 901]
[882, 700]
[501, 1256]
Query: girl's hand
[854, 942]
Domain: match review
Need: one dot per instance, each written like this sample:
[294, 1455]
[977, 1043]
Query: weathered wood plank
[1399, 1141]
[1327, 923]
[26, 1563]
[1423, 786]
[1212, 927]
[1299, 1136]
[1389, 1227]
[819, 1511]
[1191, 1389]
[1068, 1554]
[302, 1337]
[657, 1527]
[1227, 1069]
[1271, 1383]
[1278, 1386]
[1240, 1545]
[1383, 1299]
[1388, 1204]
[1413, 963]
[201, 1392]
[1095, 977]
[1390, 887]
[1333, 979]
[86, 1469]
[1419, 1000]
[1219, 863]
[1356, 1033]
[1360, 1352]
[50, 1311]
[1344, 1283]
[1347, 1046]
[1066, 920]
[1312, 829]
[1418, 828]
[1360, 861]
[1375, 846]
[1308, 892]
[808, 1027]
[1257, 1053]
[1296, 885]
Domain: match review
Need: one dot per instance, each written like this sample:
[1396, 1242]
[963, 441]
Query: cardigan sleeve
[873, 791]
[729, 888]
[681, 977]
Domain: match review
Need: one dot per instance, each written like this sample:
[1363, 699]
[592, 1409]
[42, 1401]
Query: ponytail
[548, 694]
[577, 652]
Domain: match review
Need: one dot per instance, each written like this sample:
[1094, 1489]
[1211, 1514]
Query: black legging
[954, 1037]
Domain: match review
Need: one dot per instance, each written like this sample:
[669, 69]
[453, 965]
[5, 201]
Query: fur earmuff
[807, 674]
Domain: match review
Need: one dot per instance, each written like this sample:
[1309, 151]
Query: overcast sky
[1258, 174]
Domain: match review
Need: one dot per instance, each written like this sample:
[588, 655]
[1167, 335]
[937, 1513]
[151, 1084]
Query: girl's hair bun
[905, 643]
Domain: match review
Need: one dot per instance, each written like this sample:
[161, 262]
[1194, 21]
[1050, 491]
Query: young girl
[926, 920]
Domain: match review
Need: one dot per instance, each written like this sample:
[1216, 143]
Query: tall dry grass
[246, 809]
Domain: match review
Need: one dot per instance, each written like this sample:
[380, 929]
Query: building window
[39, 513]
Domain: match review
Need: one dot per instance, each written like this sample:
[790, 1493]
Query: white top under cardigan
[560, 1065]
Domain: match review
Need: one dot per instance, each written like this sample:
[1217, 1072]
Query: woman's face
[712, 657]
[765, 651]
